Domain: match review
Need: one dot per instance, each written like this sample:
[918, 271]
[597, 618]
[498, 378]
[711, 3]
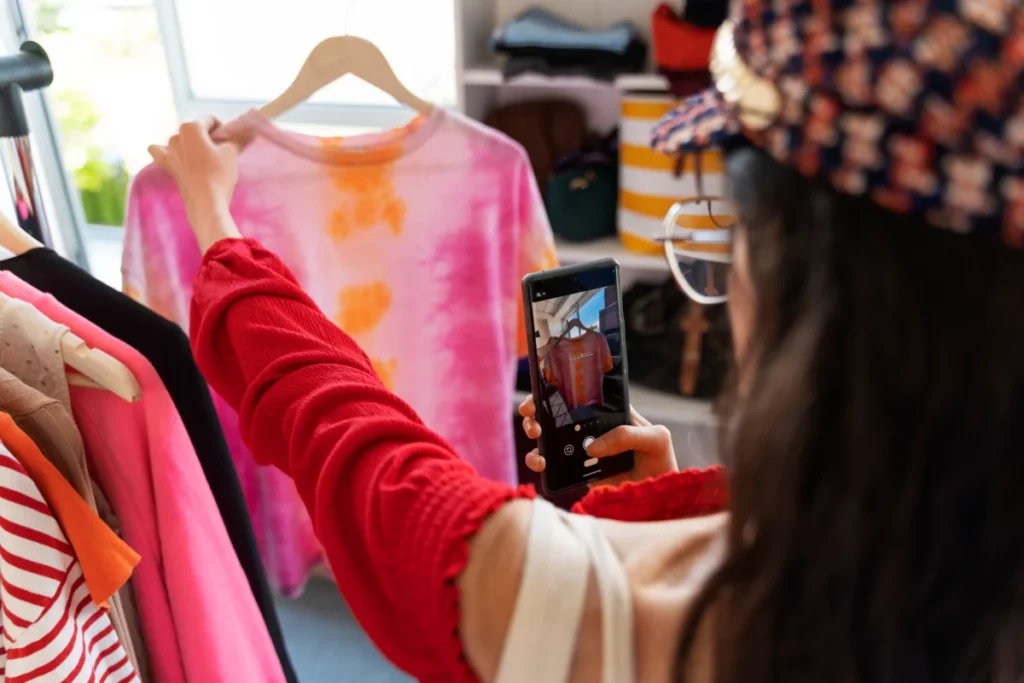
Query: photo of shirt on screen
[578, 349]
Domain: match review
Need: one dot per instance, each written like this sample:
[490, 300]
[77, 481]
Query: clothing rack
[27, 70]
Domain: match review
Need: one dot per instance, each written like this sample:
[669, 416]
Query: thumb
[198, 131]
[630, 438]
[161, 158]
[158, 152]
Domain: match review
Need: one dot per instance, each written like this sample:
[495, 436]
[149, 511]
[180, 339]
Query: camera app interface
[579, 357]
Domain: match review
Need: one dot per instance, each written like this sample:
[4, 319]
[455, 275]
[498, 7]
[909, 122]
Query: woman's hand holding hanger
[651, 446]
[206, 173]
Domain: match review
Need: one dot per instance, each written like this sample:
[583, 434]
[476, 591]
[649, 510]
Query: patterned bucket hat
[917, 105]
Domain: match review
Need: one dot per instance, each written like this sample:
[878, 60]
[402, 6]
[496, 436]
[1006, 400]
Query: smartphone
[577, 344]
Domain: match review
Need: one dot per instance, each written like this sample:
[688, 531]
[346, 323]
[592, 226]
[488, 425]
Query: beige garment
[42, 411]
[541, 642]
[593, 600]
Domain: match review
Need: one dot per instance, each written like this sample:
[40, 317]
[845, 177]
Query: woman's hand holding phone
[651, 446]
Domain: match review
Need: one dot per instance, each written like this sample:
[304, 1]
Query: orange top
[107, 561]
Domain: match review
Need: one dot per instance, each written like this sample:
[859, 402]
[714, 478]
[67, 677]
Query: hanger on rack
[14, 239]
[338, 56]
[95, 369]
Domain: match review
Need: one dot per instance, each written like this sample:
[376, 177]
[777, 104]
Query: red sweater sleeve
[392, 504]
[676, 495]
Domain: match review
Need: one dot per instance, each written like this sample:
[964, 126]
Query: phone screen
[579, 371]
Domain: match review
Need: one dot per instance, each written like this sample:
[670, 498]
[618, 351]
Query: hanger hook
[348, 15]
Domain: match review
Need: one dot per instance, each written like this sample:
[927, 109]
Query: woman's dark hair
[877, 460]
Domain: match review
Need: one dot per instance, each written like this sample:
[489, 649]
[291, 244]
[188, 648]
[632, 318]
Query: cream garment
[541, 641]
[641, 611]
[31, 372]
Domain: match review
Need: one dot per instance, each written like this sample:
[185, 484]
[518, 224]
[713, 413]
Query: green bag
[583, 202]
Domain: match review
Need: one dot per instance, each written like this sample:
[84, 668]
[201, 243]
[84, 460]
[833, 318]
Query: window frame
[64, 215]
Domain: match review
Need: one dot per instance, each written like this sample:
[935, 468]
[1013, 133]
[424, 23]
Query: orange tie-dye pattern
[386, 370]
[367, 198]
[361, 307]
[360, 310]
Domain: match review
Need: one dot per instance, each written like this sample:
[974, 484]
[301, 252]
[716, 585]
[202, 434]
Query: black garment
[165, 345]
[599, 64]
[706, 13]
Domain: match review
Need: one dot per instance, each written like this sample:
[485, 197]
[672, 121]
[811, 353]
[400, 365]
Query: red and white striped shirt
[50, 630]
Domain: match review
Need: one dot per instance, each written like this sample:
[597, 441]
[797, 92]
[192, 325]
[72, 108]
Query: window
[111, 98]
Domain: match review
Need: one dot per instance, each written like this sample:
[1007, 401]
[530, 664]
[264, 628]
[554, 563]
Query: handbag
[582, 194]
[676, 345]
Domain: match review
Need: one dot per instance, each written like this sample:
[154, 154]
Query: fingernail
[596, 449]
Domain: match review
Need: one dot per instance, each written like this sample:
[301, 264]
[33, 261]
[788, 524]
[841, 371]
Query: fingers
[528, 408]
[535, 461]
[159, 154]
[531, 427]
[210, 123]
[630, 438]
[162, 158]
[638, 419]
[198, 131]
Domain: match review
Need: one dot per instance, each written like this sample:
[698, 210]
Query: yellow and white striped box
[648, 186]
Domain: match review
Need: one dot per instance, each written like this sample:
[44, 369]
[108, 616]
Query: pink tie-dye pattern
[474, 225]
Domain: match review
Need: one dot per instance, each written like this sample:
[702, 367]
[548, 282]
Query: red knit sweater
[392, 504]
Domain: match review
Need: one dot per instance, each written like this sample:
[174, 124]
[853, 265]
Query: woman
[875, 450]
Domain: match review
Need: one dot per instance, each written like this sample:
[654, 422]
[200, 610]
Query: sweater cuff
[449, 522]
[675, 495]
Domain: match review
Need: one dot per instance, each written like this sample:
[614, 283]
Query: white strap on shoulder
[541, 641]
[618, 649]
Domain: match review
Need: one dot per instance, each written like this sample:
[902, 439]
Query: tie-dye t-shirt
[414, 241]
[577, 367]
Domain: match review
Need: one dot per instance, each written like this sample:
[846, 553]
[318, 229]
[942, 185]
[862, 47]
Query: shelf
[609, 247]
[642, 82]
[662, 408]
[491, 75]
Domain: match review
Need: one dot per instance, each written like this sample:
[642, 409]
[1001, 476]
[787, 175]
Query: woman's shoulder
[665, 564]
[668, 564]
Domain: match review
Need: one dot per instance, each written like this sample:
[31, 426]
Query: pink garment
[413, 241]
[199, 618]
[577, 367]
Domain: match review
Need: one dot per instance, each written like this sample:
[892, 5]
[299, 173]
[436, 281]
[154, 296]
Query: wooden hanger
[14, 239]
[335, 57]
[99, 370]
